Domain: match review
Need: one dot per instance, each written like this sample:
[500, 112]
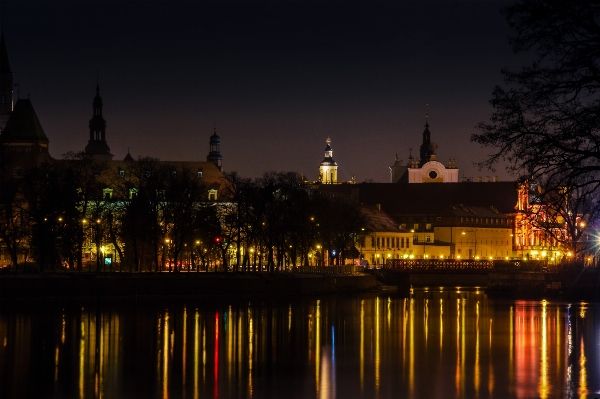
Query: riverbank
[71, 286]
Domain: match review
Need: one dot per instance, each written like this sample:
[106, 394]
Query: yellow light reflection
[196, 353]
[318, 345]
[165, 359]
[362, 346]
[477, 370]
[377, 348]
[411, 352]
[543, 386]
[582, 391]
[441, 324]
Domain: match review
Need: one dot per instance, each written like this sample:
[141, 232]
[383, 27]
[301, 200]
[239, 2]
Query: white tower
[328, 168]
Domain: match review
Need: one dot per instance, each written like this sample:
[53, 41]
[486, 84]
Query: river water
[432, 344]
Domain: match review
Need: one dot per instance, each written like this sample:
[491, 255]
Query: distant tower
[6, 86]
[214, 154]
[425, 150]
[23, 143]
[97, 146]
[328, 168]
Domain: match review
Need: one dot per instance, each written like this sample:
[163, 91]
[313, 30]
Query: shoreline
[183, 285]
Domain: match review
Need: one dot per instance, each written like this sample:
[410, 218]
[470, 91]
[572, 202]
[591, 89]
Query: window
[416, 226]
[428, 239]
[212, 195]
[133, 192]
[378, 242]
[174, 173]
[387, 242]
[199, 173]
[461, 220]
[415, 238]
[121, 172]
[373, 242]
[107, 193]
[401, 242]
[428, 226]
[148, 174]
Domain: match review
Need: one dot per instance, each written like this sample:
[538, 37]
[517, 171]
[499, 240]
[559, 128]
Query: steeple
[97, 146]
[6, 85]
[214, 155]
[328, 167]
[425, 150]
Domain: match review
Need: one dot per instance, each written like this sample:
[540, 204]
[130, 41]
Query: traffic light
[218, 240]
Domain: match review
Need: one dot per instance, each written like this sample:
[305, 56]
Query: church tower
[426, 149]
[6, 86]
[97, 146]
[214, 154]
[328, 168]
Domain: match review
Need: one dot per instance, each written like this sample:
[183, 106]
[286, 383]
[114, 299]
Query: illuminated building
[386, 240]
[328, 168]
[427, 169]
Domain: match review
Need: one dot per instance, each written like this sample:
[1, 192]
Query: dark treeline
[154, 216]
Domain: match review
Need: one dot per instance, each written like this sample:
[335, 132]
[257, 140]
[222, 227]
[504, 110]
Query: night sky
[276, 78]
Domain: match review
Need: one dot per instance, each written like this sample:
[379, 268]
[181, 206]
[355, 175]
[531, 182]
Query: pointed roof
[4, 66]
[128, 157]
[23, 123]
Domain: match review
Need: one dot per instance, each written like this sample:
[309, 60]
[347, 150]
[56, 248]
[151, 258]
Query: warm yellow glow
[506, 258]
[389, 255]
[412, 256]
[441, 256]
[544, 254]
[457, 256]
[569, 254]
[84, 221]
[491, 258]
[97, 220]
[477, 257]
[197, 241]
[60, 219]
[463, 233]
[534, 252]
[582, 224]
[405, 256]
[426, 256]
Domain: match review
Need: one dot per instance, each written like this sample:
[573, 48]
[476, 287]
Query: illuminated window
[428, 226]
[199, 173]
[212, 195]
[428, 239]
[133, 192]
[107, 193]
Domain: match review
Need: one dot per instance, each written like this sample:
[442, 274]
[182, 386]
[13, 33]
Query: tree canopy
[546, 121]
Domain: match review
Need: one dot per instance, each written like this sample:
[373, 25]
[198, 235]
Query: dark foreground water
[431, 345]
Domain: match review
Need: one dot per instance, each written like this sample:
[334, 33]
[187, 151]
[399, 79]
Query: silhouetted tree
[546, 122]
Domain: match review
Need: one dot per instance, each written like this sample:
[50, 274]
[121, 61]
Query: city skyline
[275, 79]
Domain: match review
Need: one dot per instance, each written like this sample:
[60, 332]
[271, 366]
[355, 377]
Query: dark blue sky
[277, 77]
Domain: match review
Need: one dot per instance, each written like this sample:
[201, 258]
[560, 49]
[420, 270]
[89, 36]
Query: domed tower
[97, 146]
[214, 154]
[328, 168]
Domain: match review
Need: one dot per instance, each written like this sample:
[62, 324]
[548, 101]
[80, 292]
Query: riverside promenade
[68, 286]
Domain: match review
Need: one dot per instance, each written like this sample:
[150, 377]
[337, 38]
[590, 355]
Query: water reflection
[431, 344]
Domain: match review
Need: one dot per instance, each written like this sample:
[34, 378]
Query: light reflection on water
[433, 344]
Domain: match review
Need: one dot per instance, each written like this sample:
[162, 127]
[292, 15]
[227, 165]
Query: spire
[425, 149]
[97, 146]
